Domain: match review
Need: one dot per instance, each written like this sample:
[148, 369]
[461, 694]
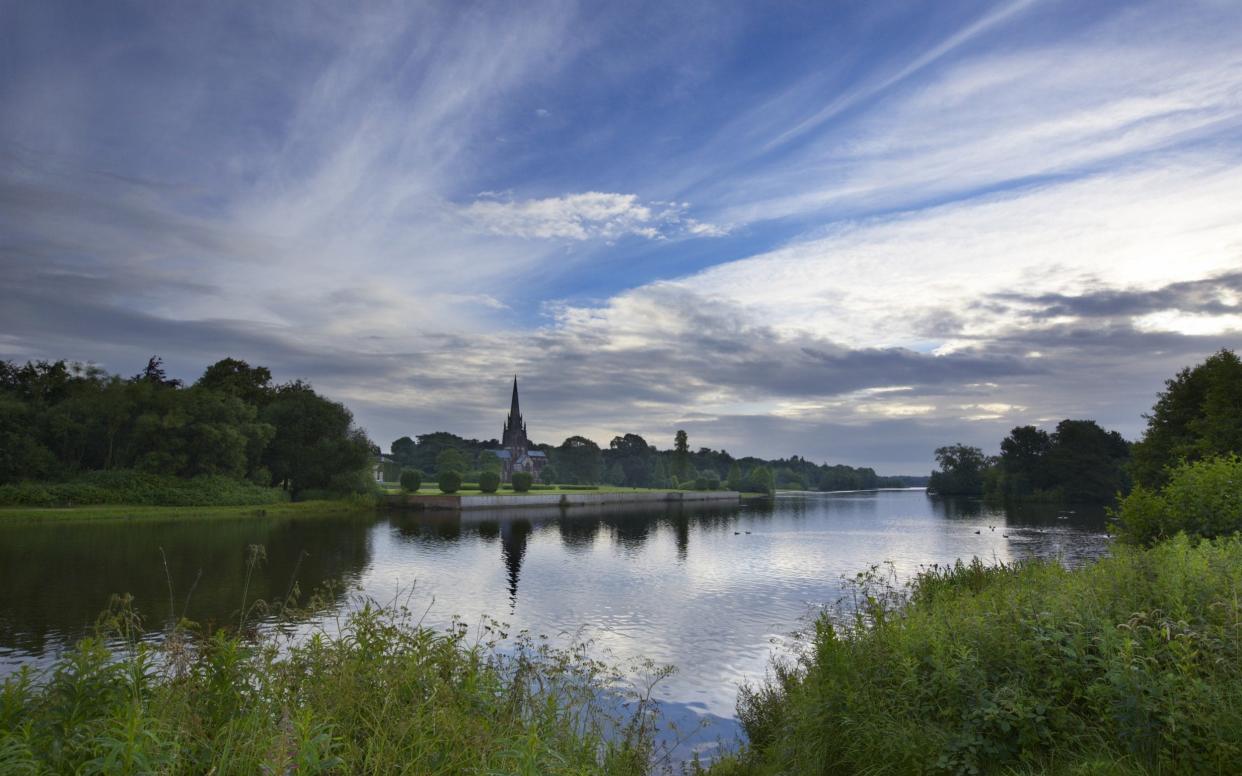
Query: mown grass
[374, 694]
[1130, 665]
[432, 490]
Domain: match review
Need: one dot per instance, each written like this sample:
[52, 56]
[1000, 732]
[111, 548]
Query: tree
[734, 480]
[681, 455]
[450, 460]
[615, 475]
[1198, 415]
[961, 470]
[489, 462]
[635, 457]
[1086, 463]
[1200, 499]
[236, 378]
[521, 481]
[154, 374]
[760, 480]
[489, 481]
[403, 451]
[548, 474]
[411, 480]
[578, 460]
[315, 444]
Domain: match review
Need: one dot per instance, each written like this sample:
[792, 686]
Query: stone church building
[515, 454]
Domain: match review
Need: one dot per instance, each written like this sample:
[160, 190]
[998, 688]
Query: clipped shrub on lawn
[700, 482]
[489, 482]
[521, 481]
[449, 482]
[1202, 499]
[411, 480]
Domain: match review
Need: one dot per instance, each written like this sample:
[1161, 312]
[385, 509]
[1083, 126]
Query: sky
[848, 231]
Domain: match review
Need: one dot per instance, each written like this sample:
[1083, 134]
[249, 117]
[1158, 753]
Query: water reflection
[708, 588]
[55, 579]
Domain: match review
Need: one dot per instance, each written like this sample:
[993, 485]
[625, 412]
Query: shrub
[712, 478]
[1202, 499]
[548, 475]
[700, 482]
[449, 482]
[1128, 665]
[122, 486]
[411, 480]
[489, 482]
[521, 481]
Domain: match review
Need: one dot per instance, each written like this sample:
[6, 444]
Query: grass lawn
[122, 512]
[431, 490]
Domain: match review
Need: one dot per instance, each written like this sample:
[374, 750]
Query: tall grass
[1130, 665]
[374, 693]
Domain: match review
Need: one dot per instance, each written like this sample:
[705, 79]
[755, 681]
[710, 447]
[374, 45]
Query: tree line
[59, 419]
[629, 460]
[1197, 417]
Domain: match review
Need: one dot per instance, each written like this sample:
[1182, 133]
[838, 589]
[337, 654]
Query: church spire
[514, 411]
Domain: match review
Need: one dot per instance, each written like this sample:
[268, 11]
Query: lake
[712, 590]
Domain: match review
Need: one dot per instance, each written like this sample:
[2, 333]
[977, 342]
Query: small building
[385, 469]
[515, 454]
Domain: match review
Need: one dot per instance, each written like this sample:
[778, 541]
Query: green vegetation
[411, 480]
[1131, 665]
[1198, 415]
[139, 488]
[1201, 499]
[961, 472]
[630, 461]
[449, 482]
[360, 503]
[1079, 462]
[489, 482]
[60, 422]
[380, 696]
[521, 482]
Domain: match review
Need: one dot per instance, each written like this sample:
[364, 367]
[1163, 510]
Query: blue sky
[852, 231]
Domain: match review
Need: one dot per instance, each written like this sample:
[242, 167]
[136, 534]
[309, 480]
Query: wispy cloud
[585, 216]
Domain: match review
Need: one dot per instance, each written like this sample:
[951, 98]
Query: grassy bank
[380, 696]
[1130, 665]
[432, 490]
[143, 512]
[133, 488]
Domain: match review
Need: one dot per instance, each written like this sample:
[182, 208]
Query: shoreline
[416, 502]
[127, 512]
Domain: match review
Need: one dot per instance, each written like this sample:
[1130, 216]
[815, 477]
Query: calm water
[711, 590]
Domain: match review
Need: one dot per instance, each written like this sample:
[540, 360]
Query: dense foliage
[129, 487]
[411, 480]
[381, 695]
[1201, 499]
[521, 482]
[961, 473]
[630, 461]
[489, 482]
[1078, 462]
[1130, 665]
[449, 482]
[1198, 415]
[59, 420]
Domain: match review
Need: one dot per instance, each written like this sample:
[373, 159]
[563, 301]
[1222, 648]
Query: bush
[548, 475]
[521, 481]
[1128, 665]
[449, 482]
[411, 480]
[1202, 499]
[123, 486]
[700, 482]
[489, 482]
